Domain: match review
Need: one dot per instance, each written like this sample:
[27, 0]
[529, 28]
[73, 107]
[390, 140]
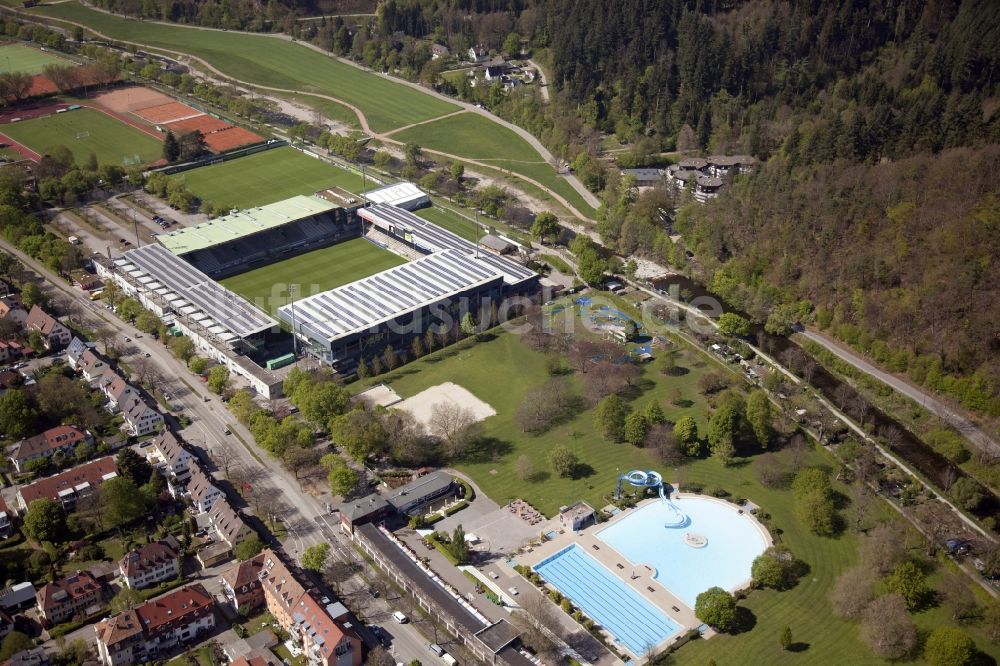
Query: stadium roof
[382, 297]
[398, 194]
[243, 223]
[193, 288]
[429, 237]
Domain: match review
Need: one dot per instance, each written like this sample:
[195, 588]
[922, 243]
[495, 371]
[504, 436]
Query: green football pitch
[86, 131]
[266, 177]
[312, 272]
[18, 58]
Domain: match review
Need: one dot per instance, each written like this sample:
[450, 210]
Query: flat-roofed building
[402, 195]
[412, 498]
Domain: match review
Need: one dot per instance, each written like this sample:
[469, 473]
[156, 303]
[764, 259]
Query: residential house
[69, 486]
[140, 418]
[11, 307]
[325, 640]
[116, 389]
[257, 660]
[10, 350]
[10, 379]
[150, 631]
[62, 438]
[439, 51]
[6, 527]
[493, 73]
[228, 524]
[167, 453]
[241, 585]
[148, 565]
[68, 597]
[478, 53]
[721, 166]
[54, 334]
[91, 366]
[75, 350]
[644, 177]
[202, 492]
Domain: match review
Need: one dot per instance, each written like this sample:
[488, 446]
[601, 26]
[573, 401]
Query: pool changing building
[361, 319]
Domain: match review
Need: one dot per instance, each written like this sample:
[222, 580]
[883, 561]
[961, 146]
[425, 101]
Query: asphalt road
[973, 433]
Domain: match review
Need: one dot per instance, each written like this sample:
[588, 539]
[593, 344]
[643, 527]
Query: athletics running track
[44, 110]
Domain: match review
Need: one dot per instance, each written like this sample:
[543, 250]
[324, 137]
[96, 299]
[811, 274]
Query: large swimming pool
[633, 621]
[655, 535]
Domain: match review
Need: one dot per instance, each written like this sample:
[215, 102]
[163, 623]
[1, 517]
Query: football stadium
[368, 274]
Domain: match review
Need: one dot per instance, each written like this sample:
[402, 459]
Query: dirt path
[424, 122]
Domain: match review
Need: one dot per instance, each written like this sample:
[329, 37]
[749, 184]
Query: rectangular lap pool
[634, 622]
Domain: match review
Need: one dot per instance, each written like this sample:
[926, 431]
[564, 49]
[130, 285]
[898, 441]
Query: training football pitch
[266, 177]
[312, 272]
[18, 58]
[86, 131]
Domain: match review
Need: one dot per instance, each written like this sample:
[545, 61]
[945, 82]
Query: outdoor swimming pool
[633, 621]
[733, 541]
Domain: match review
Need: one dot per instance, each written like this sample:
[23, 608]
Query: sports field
[313, 272]
[287, 65]
[86, 131]
[19, 58]
[266, 177]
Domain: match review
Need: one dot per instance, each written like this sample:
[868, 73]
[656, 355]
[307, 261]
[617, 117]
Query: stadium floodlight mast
[295, 340]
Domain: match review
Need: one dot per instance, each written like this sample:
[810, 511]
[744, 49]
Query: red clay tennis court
[166, 113]
[205, 124]
[123, 100]
[227, 139]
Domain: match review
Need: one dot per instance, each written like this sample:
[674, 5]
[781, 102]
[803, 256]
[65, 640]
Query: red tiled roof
[92, 472]
[176, 605]
[53, 438]
[75, 585]
[146, 557]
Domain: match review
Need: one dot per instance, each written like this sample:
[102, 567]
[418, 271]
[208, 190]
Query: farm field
[313, 272]
[20, 58]
[287, 65]
[266, 177]
[112, 141]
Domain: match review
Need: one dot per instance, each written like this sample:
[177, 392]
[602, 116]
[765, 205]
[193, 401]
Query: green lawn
[112, 141]
[266, 177]
[451, 221]
[271, 62]
[20, 58]
[473, 136]
[313, 272]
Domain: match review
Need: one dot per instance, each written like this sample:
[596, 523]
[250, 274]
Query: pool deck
[643, 582]
[638, 576]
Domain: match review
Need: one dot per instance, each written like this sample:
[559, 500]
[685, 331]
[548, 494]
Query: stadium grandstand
[255, 237]
[427, 237]
[360, 319]
[223, 325]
